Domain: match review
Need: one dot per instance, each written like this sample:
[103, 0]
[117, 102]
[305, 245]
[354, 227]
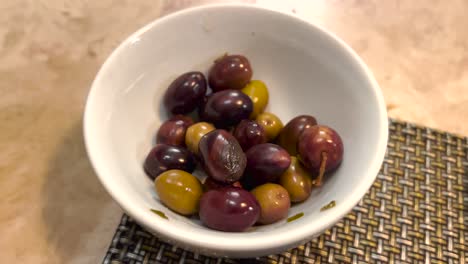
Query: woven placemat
[415, 212]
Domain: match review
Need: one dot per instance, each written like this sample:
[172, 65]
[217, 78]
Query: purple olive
[211, 184]
[172, 132]
[221, 156]
[229, 209]
[265, 163]
[290, 133]
[230, 72]
[320, 150]
[165, 157]
[201, 108]
[249, 133]
[185, 93]
[226, 108]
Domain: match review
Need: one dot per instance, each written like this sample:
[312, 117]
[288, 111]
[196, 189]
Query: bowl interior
[306, 70]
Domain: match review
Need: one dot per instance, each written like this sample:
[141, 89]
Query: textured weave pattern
[415, 212]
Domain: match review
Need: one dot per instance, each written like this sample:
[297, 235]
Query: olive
[210, 184]
[258, 92]
[226, 108]
[194, 133]
[172, 132]
[249, 133]
[179, 190]
[229, 209]
[320, 150]
[265, 163]
[290, 133]
[271, 123]
[274, 202]
[185, 93]
[297, 181]
[201, 107]
[230, 72]
[165, 157]
[221, 156]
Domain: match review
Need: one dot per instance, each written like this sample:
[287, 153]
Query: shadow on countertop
[79, 215]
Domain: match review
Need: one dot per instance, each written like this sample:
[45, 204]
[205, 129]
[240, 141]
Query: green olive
[297, 181]
[179, 190]
[271, 124]
[194, 133]
[258, 93]
[274, 202]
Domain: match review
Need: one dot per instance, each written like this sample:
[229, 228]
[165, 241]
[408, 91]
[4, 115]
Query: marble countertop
[53, 209]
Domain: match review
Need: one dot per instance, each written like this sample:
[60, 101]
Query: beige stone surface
[52, 207]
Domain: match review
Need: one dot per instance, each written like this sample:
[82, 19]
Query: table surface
[52, 207]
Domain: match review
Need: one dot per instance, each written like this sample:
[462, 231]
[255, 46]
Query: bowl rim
[237, 243]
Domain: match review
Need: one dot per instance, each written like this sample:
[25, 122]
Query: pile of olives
[256, 168]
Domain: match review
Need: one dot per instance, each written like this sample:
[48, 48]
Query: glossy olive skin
[221, 156]
[230, 72]
[274, 202]
[271, 124]
[226, 108]
[258, 92]
[249, 133]
[229, 209]
[172, 132]
[165, 157]
[290, 133]
[297, 181]
[265, 163]
[185, 93]
[179, 190]
[194, 133]
[211, 184]
[316, 141]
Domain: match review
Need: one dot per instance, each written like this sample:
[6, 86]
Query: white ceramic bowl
[308, 71]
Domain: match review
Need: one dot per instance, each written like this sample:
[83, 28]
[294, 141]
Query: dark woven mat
[415, 212]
